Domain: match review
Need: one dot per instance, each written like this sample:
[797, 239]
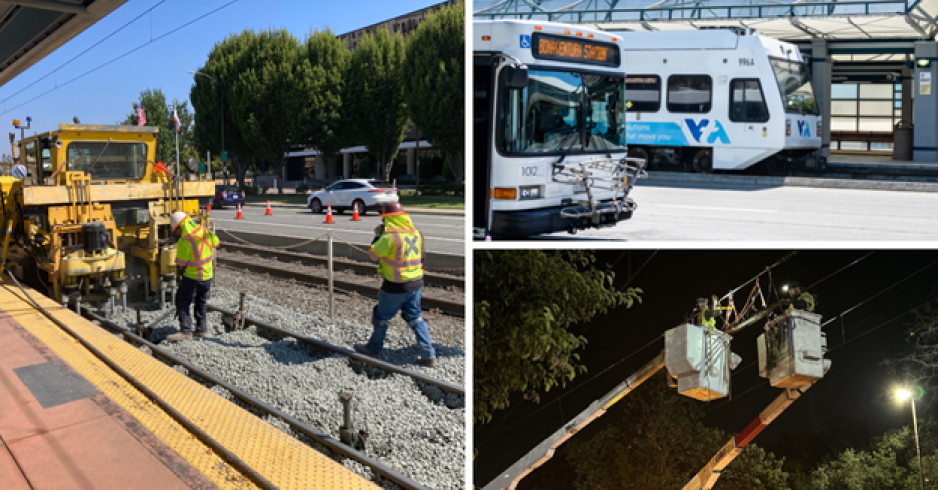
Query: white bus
[549, 129]
[716, 99]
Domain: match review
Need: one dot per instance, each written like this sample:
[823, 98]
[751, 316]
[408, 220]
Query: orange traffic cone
[239, 215]
[208, 207]
[355, 216]
[329, 220]
[268, 213]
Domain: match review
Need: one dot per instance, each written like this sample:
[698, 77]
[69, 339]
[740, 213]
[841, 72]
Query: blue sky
[106, 96]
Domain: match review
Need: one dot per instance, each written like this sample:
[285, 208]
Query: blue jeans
[409, 306]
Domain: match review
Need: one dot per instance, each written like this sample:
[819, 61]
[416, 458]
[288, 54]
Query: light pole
[903, 395]
[221, 108]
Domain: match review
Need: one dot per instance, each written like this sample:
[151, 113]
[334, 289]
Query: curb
[416, 210]
[664, 178]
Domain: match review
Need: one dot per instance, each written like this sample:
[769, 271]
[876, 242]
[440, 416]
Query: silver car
[344, 194]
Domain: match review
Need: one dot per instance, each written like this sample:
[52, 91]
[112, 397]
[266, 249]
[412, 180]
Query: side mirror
[516, 76]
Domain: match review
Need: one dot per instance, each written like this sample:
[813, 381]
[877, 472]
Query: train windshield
[108, 161]
[562, 112]
[795, 84]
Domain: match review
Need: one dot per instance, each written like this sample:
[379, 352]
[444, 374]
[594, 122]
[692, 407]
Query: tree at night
[658, 440]
[525, 303]
[890, 463]
[921, 365]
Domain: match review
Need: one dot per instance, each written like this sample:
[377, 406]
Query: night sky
[856, 391]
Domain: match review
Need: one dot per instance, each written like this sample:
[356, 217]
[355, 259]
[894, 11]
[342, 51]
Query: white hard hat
[177, 218]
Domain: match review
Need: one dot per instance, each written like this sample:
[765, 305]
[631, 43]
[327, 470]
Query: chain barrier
[285, 247]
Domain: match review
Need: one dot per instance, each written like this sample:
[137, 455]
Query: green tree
[325, 61]
[434, 82]
[267, 94]
[374, 108]
[525, 302]
[659, 441]
[890, 463]
[225, 63]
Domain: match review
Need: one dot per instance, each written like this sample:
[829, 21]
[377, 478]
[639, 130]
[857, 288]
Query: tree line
[279, 93]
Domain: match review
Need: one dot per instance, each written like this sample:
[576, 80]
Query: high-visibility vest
[195, 250]
[702, 318]
[807, 298]
[399, 250]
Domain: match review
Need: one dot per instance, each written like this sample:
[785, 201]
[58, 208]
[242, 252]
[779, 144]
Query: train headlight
[530, 192]
[788, 127]
[506, 193]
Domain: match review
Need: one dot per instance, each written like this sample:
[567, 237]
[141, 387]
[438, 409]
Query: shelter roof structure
[31, 29]
[788, 20]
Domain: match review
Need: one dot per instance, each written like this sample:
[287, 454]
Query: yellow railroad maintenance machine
[87, 211]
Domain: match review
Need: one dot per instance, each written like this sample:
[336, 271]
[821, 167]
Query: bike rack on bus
[610, 174]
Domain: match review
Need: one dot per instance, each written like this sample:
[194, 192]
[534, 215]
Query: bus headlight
[506, 193]
[530, 192]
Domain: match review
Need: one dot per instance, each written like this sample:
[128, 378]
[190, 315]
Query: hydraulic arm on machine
[699, 359]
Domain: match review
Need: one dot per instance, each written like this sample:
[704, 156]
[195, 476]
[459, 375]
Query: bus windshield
[795, 85]
[562, 111]
[108, 161]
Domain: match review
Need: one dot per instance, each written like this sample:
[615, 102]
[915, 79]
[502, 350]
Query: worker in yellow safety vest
[799, 298]
[704, 315]
[398, 248]
[194, 253]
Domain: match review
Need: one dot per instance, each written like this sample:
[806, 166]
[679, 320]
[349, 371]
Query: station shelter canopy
[791, 21]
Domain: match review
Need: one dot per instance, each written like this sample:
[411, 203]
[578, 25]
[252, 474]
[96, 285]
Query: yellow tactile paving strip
[281, 459]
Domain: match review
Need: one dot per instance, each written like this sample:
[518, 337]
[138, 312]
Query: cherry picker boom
[791, 356]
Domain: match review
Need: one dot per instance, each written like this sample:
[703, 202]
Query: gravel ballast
[414, 428]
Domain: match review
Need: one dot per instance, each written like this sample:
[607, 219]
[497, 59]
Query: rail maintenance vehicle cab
[549, 124]
[719, 100]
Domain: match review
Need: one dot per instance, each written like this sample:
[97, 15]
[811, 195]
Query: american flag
[176, 118]
[141, 117]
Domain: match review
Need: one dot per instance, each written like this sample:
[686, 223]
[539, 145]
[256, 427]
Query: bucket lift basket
[604, 174]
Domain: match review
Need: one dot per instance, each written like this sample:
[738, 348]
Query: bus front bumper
[520, 224]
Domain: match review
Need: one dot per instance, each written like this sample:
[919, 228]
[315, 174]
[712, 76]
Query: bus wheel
[640, 153]
[703, 163]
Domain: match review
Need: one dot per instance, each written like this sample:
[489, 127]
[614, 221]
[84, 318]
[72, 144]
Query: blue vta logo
[704, 132]
[525, 41]
[803, 129]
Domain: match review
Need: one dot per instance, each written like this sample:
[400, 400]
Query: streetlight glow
[903, 394]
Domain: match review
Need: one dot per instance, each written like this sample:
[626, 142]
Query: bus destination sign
[573, 50]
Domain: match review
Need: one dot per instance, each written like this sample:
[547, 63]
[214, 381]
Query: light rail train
[718, 100]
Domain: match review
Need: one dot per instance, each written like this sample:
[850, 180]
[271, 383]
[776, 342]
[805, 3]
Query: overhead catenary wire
[79, 55]
[119, 57]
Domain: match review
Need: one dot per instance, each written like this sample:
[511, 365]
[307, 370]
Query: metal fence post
[331, 291]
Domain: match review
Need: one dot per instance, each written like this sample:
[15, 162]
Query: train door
[483, 93]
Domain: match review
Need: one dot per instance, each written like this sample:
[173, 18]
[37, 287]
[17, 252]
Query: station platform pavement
[57, 431]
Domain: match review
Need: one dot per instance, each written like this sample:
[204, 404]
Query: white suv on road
[344, 194]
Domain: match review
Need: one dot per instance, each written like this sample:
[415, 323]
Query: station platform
[68, 421]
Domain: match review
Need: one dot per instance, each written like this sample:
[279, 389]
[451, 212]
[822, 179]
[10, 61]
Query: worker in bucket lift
[704, 315]
[398, 248]
[194, 253]
[798, 298]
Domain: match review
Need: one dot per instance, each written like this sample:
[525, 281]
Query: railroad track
[427, 303]
[333, 445]
[340, 264]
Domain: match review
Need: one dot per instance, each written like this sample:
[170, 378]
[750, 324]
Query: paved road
[445, 234]
[752, 213]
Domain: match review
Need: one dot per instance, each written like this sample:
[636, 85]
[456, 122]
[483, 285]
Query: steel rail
[367, 268]
[448, 307]
[326, 440]
[443, 385]
[221, 450]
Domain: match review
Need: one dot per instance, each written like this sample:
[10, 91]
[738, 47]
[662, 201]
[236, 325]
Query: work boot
[362, 349]
[200, 335]
[430, 363]
[180, 336]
